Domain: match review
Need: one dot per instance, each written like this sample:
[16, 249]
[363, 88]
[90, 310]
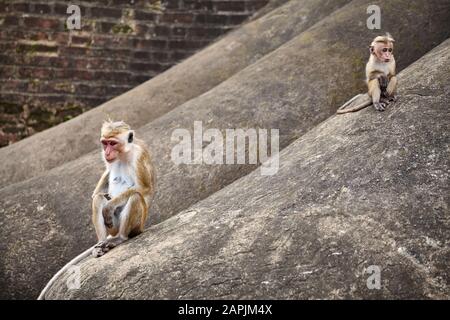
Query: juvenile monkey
[122, 197]
[380, 76]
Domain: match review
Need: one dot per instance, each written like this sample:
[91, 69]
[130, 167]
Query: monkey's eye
[385, 49]
[390, 49]
[113, 143]
[104, 143]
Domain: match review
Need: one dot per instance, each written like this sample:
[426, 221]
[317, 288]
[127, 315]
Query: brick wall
[49, 74]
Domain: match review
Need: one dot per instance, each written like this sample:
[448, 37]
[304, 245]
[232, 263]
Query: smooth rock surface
[191, 78]
[292, 89]
[364, 190]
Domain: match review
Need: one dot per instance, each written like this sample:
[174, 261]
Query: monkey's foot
[102, 247]
[385, 101]
[392, 98]
[380, 106]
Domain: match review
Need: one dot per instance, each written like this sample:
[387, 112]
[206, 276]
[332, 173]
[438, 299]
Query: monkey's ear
[371, 49]
[130, 136]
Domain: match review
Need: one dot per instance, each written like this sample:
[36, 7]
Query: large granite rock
[358, 194]
[292, 89]
[70, 140]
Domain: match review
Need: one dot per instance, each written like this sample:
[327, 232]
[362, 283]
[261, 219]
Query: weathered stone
[364, 191]
[35, 42]
[196, 75]
[292, 89]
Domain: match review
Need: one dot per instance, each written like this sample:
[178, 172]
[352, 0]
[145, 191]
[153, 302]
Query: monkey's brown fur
[125, 214]
[380, 76]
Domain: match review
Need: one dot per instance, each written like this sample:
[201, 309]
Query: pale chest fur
[385, 68]
[382, 67]
[121, 178]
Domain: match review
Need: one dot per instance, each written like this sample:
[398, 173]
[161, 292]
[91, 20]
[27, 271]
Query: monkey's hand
[390, 91]
[107, 212]
[392, 86]
[379, 106]
[103, 194]
[393, 98]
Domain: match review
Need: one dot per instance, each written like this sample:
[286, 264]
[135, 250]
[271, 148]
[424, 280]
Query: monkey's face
[116, 139]
[383, 51]
[111, 148]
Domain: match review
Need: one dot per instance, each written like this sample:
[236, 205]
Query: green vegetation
[122, 28]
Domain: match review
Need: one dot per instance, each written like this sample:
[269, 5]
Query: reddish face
[383, 51]
[111, 149]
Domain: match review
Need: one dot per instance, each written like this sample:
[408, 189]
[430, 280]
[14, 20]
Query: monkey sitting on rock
[123, 195]
[380, 76]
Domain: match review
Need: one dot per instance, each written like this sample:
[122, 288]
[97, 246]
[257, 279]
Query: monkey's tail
[72, 262]
[342, 109]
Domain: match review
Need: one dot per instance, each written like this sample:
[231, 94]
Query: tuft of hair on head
[389, 37]
[383, 39]
[113, 128]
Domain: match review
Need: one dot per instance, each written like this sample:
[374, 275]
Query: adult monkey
[380, 76]
[124, 192]
[122, 197]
